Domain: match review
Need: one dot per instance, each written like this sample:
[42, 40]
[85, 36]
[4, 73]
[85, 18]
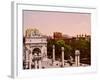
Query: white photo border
[17, 40]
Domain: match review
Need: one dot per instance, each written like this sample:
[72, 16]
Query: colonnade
[77, 56]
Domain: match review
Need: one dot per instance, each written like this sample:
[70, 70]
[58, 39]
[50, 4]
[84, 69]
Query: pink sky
[49, 22]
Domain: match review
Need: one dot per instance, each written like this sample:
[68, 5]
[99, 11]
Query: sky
[48, 22]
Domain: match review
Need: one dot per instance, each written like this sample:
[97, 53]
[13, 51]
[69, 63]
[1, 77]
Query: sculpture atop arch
[32, 32]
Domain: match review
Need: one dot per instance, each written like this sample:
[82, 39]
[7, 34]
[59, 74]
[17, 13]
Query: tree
[84, 47]
[60, 43]
[67, 48]
[50, 44]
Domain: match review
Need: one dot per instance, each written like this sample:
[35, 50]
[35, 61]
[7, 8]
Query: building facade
[35, 49]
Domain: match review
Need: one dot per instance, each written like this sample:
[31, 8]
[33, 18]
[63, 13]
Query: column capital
[62, 48]
[77, 52]
[53, 46]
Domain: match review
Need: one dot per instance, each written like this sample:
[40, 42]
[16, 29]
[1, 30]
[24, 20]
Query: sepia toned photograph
[53, 39]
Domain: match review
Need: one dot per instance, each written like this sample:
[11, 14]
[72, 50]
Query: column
[78, 60]
[53, 53]
[62, 48]
[35, 62]
[77, 57]
[39, 64]
[39, 61]
[30, 59]
[76, 64]
[27, 60]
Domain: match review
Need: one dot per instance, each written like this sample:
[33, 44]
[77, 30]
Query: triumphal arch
[35, 49]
